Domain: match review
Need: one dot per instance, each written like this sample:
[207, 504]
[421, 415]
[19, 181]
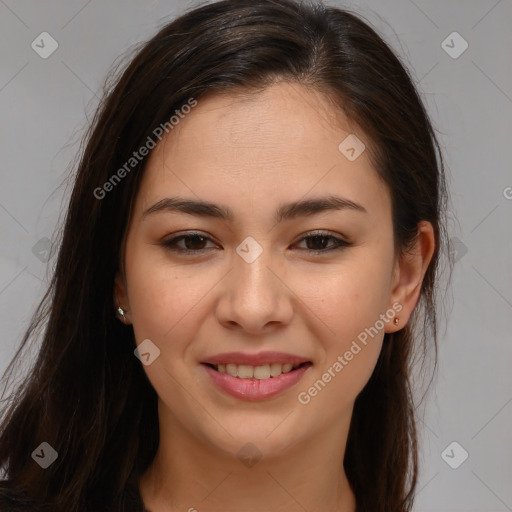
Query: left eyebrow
[287, 211]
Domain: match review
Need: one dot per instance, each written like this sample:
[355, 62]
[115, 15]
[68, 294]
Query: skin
[252, 153]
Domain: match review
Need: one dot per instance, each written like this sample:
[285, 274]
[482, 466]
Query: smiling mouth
[262, 372]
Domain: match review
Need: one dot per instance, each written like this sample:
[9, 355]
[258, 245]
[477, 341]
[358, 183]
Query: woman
[250, 257]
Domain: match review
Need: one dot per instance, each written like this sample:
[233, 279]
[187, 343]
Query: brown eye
[196, 243]
[192, 243]
[319, 242]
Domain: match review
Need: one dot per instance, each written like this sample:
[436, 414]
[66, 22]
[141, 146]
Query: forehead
[282, 118]
[282, 140]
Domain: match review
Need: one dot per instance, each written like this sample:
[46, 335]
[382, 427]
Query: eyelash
[339, 243]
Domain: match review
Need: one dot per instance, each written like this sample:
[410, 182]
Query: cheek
[334, 387]
[350, 303]
[347, 299]
[350, 348]
[163, 297]
[165, 302]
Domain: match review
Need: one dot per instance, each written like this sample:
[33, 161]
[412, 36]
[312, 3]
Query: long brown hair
[86, 394]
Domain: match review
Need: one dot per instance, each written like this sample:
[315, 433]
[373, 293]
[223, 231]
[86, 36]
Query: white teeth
[231, 369]
[262, 372]
[276, 369]
[244, 371]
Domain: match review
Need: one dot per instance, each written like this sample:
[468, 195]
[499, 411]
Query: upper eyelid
[341, 239]
[313, 232]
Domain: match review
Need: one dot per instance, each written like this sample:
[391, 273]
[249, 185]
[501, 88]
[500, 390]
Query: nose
[255, 297]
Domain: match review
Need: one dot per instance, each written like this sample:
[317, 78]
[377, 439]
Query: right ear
[121, 297]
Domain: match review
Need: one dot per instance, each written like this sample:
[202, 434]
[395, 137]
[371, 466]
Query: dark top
[131, 501]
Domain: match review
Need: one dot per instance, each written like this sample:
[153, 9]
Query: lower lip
[255, 389]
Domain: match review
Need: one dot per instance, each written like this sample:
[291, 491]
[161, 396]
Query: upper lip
[258, 359]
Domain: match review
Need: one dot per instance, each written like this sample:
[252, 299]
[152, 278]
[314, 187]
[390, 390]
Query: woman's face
[316, 285]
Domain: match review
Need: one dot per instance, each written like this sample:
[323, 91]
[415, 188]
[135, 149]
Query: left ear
[408, 274]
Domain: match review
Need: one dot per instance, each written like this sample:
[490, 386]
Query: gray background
[46, 105]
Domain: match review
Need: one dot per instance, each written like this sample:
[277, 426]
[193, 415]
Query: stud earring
[396, 321]
[120, 310]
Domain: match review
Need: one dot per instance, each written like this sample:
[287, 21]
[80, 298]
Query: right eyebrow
[287, 211]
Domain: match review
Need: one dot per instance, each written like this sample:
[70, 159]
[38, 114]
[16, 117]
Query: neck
[188, 474]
